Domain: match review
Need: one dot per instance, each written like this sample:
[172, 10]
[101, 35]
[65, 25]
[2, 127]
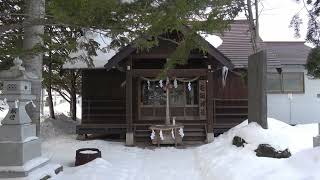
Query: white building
[294, 97]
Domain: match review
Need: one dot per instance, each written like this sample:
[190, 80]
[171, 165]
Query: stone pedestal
[129, 139]
[316, 141]
[210, 137]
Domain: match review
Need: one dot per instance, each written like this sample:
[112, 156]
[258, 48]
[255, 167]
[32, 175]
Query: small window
[287, 82]
[274, 82]
[293, 82]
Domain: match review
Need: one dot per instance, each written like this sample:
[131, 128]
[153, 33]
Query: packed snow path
[126, 163]
[168, 164]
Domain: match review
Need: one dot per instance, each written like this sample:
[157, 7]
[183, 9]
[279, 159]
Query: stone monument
[20, 149]
[316, 140]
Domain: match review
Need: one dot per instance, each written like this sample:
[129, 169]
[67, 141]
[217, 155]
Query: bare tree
[253, 22]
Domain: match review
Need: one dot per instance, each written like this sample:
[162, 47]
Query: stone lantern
[20, 149]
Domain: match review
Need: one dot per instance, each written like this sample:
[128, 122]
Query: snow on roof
[98, 61]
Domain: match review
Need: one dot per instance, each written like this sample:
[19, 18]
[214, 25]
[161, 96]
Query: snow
[103, 53]
[63, 126]
[62, 109]
[218, 160]
[229, 162]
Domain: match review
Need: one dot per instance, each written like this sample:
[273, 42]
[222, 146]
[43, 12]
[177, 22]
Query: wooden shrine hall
[127, 96]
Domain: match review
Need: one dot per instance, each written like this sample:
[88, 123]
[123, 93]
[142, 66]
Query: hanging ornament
[181, 132]
[153, 135]
[189, 86]
[175, 83]
[161, 83]
[148, 83]
[16, 103]
[32, 103]
[4, 102]
[224, 75]
[161, 135]
[172, 134]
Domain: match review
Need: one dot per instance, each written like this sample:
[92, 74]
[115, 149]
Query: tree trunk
[73, 96]
[252, 27]
[49, 90]
[35, 10]
[51, 107]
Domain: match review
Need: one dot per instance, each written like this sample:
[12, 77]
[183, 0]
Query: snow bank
[221, 160]
[63, 108]
[61, 126]
[97, 169]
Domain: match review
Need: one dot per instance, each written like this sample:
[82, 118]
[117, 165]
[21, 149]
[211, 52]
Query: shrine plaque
[202, 99]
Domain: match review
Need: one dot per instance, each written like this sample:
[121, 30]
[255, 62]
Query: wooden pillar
[129, 118]
[210, 135]
[257, 93]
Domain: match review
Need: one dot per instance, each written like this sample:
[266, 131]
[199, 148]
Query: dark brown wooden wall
[103, 96]
[98, 83]
[235, 88]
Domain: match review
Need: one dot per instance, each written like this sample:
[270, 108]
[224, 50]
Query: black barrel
[86, 155]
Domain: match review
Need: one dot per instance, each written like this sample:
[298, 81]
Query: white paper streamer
[224, 75]
[189, 86]
[161, 83]
[181, 132]
[33, 105]
[148, 82]
[175, 83]
[161, 135]
[153, 134]
[16, 103]
[172, 134]
[4, 102]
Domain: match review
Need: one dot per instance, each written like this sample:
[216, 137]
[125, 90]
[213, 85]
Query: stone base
[24, 170]
[129, 139]
[210, 137]
[15, 153]
[17, 132]
[316, 141]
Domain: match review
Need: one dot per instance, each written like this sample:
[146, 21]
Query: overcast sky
[275, 19]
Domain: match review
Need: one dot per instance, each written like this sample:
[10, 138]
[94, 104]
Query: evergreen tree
[145, 22]
[12, 12]
[313, 35]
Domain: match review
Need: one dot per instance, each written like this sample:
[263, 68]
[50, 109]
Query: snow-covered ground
[219, 160]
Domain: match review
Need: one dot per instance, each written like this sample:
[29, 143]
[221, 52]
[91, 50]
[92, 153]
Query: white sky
[275, 19]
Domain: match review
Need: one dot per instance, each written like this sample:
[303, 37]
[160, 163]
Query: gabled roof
[237, 45]
[126, 51]
[289, 53]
